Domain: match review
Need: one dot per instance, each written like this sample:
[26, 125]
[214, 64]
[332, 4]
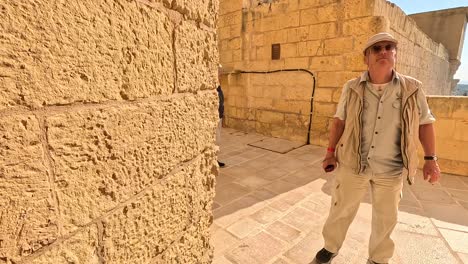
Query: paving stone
[433, 195]
[463, 257]
[457, 240]
[223, 178]
[451, 216]
[280, 205]
[464, 204]
[459, 194]
[415, 223]
[263, 194]
[251, 154]
[266, 215]
[281, 261]
[452, 182]
[290, 164]
[417, 248]
[272, 173]
[235, 160]
[227, 215]
[282, 231]
[301, 219]
[253, 182]
[221, 259]
[230, 192]
[259, 249]
[245, 227]
[238, 172]
[280, 186]
[301, 177]
[221, 241]
[304, 251]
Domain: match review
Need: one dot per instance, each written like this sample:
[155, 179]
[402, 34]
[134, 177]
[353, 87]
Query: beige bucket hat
[382, 36]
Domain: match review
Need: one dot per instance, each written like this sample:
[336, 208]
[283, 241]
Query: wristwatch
[434, 157]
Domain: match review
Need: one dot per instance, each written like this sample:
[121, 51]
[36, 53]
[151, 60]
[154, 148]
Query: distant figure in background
[380, 118]
[220, 112]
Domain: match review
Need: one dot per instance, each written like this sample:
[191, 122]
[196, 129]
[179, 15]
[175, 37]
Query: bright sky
[419, 6]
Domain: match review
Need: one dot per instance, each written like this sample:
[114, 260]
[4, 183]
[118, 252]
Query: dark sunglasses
[378, 48]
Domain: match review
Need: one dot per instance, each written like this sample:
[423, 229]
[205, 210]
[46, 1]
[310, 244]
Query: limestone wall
[451, 132]
[418, 55]
[108, 112]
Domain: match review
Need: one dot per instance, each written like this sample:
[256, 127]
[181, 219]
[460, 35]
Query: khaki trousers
[348, 191]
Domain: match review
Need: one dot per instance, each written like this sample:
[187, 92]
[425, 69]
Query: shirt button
[381, 102]
[378, 117]
[372, 146]
[376, 132]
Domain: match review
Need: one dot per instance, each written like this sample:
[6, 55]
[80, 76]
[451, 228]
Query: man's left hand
[431, 171]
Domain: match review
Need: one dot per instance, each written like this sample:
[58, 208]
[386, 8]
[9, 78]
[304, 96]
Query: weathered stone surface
[204, 11]
[82, 247]
[28, 219]
[196, 58]
[87, 51]
[105, 156]
[172, 214]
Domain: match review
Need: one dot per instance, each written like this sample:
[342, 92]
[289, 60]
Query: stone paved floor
[270, 208]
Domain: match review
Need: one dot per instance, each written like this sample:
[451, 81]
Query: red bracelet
[331, 150]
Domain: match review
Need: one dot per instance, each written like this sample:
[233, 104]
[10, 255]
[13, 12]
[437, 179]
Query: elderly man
[381, 116]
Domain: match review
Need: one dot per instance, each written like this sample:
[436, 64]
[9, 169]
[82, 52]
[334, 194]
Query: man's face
[381, 56]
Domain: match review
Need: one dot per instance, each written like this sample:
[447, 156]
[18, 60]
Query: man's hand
[329, 160]
[431, 171]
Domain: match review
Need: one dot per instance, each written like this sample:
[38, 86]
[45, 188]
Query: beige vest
[349, 147]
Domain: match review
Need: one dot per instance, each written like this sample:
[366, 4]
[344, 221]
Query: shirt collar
[365, 77]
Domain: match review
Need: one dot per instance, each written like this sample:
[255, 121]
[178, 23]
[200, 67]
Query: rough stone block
[327, 63]
[355, 62]
[296, 121]
[338, 46]
[82, 247]
[323, 31]
[104, 156]
[289, 20]
[364, 26]
[296, 63]
[298, 34]
[292, 106]
[460, 107]
[28, 210]
[149, 225]
[289, 50]
[270, 117]
[445, 128]
[204, 11]
[196, 58]
[334, 79]
[358, 8]
[262, 103]
[460, 130]
[297, 92]
[273, 92]
[324, 95]
[441, 106]
[310, 48]
[328, 13]
[324, 109]
[84, 51]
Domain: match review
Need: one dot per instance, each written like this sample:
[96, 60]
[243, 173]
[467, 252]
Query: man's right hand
[329, 163]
